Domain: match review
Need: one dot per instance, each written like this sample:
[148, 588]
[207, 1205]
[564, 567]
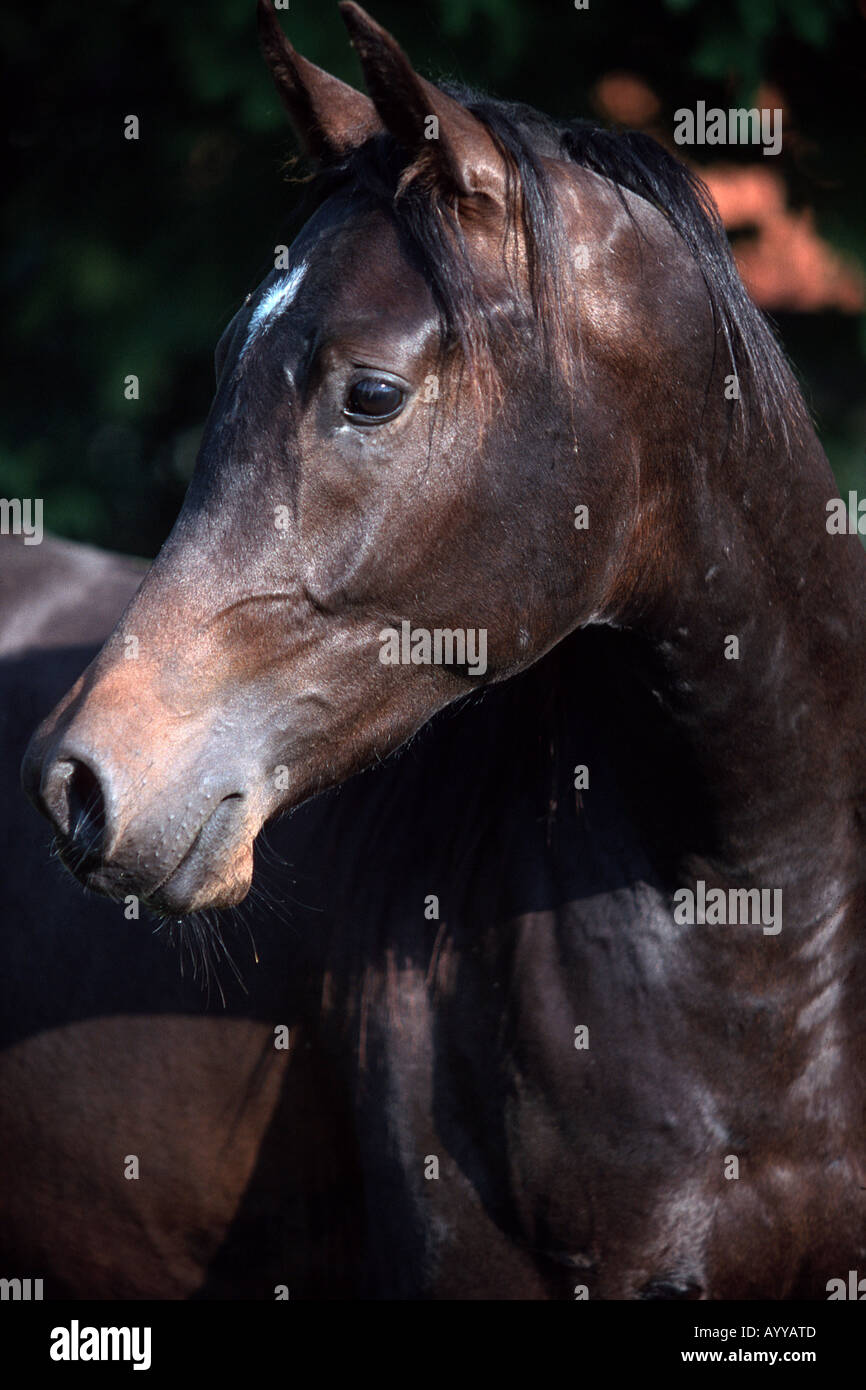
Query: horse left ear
[330, 118]
[454, 148]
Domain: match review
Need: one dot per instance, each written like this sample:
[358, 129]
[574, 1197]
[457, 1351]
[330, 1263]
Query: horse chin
[194, 887]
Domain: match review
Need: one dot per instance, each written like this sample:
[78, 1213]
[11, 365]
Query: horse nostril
[73, 797]
[86, 805]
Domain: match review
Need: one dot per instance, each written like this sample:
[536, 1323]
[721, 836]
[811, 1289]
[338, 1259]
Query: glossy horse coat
[478, 335]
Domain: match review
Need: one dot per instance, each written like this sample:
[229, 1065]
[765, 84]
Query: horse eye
[373, 398]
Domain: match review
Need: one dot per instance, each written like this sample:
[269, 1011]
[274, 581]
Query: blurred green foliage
[131, 256]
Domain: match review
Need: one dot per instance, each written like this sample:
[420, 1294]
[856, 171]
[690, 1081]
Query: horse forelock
[530, 142]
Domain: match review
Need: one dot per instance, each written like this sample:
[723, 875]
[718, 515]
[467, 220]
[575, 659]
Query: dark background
[130, 257]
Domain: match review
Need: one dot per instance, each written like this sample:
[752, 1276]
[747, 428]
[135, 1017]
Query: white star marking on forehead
[278, 298]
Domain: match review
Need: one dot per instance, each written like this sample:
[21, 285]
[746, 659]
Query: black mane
[633, 161]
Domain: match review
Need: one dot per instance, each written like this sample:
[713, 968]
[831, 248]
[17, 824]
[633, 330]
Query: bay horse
[508, 381]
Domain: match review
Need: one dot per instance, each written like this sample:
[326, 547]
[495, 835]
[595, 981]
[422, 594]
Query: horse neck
[776, 734]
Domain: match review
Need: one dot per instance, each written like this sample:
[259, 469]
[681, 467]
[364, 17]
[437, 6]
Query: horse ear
[330, 118]
[452, 143]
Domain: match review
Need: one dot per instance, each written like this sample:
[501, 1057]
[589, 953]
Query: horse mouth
[215, 870]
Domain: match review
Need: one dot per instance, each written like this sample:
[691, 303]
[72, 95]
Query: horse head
[444, 436]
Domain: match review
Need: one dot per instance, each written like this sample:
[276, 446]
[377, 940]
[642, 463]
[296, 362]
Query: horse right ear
[451, 147]
[330, 118]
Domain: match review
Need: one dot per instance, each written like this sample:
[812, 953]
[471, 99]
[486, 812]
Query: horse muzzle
[125, 832]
